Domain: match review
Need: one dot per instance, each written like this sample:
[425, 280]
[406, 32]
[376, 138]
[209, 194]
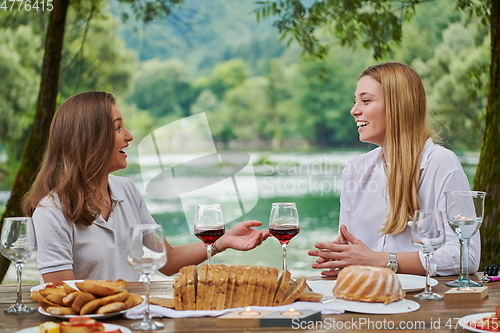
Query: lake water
[311, 180]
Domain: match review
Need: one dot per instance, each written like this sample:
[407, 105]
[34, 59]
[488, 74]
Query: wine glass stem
[428, 257]
[283, 252]
[209, 253]
[19, 270]
[146, 278]
[464, 261]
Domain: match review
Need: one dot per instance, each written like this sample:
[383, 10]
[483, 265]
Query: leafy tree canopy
[374, 24]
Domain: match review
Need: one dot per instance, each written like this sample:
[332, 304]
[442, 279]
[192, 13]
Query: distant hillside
[203, 33]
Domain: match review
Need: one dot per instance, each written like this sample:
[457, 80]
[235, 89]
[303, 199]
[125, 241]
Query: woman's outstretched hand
[345, 250]
[242, 237]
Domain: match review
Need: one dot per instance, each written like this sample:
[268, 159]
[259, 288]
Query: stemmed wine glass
[18, 244]
[428, 235]
[464, 211]
[146, 252]
[209, 225]
[284, 224]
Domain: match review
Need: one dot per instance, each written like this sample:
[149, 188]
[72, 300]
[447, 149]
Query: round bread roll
[81, 299]
[368, 284]
[95, 304]
[61, 311]
[102, 288]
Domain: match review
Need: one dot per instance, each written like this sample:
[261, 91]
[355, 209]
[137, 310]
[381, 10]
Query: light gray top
[98, 251]
[364, 205]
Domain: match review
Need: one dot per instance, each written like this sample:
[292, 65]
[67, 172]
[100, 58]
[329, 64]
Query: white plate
[401, 306]
[94, 315]
[107, 327]
[411, 283]
[72, 284]
[472, 318]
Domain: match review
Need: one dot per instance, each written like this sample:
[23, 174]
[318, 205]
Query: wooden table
[436, 316]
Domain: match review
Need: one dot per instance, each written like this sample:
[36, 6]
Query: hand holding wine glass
[464, 211]
[147, 253]
[18, 244]
[428, 234]
[209, 225]
[284, 225]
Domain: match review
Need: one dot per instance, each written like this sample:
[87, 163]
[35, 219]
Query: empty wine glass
[209, 225]
[18, 244]
[428, 235]
[146, 252]
[464, 211]
[284, 225]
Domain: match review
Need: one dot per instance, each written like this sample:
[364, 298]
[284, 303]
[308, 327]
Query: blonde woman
[382, 188]
[83, 215]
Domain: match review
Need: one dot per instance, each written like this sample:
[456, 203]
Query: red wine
[284, 233]
[209, 236]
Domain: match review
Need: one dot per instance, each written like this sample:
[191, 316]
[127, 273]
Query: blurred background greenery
[214, 57]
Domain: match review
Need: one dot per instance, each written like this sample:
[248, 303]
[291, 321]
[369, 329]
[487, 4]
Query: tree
[323, 90]
[94, 59]
[488, 175]
[224, 76]
[46, 103]
[163, 87]
[48, 91]
[377, 25]
[90, 60]
[457, 82]
[19, 69]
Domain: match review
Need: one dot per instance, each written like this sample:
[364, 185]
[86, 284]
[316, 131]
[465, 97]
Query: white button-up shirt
[365, 206]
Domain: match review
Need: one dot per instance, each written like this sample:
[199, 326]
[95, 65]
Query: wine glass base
[463, 283]
[428, 296]
[19, 309]
[147, 326]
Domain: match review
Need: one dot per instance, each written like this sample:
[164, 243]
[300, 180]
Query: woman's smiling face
[118, 159]
[369, 111]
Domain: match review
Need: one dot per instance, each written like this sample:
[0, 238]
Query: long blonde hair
[406, 133]
[76, 159]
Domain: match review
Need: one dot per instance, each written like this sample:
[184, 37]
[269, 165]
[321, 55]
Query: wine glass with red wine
[284, 224]
[209, 225]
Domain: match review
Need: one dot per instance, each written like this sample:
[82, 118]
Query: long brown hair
[76, 159]
[406, 133]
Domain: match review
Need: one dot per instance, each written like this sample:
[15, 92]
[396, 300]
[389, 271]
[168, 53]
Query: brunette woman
[83, 215]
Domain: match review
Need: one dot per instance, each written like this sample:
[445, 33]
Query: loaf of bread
[368, 284]
[219, 286]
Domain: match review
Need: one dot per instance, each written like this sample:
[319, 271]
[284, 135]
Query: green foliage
[323, 91]
[205, 33]
[261, 94]
[162, 87]
[377, 24]
[95, 58]
[424, 33]
[457, 80]
[225, 76]
[19, 69]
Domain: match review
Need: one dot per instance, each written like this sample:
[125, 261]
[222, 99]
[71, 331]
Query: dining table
[435, 316]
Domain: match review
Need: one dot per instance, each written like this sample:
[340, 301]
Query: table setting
[424, 298]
